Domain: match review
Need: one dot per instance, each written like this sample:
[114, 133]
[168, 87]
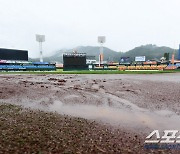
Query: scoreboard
[12, 54]
[74, 61]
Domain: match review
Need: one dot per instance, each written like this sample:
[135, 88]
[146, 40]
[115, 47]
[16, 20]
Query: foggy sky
[71, 23]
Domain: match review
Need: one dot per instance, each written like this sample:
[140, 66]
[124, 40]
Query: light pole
[101, 41]
[40, 39]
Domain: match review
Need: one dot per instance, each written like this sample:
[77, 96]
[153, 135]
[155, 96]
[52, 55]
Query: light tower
[179, 53]
[40, 39]
[172, 60]
[101, 40]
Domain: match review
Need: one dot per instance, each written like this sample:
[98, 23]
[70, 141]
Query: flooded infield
[86, 113]
[123, 100]
[130, 118]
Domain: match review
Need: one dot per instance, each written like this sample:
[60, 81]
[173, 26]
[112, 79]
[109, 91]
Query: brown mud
[129, 104]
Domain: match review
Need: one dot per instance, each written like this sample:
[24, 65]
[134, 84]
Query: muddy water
[106, 106]
[132, 117]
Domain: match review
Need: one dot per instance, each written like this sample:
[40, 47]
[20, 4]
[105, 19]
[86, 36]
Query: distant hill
[150, 51]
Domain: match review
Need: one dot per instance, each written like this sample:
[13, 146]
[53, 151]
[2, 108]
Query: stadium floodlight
[101, 40]
[40, 39]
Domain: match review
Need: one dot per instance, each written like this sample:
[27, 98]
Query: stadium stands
[27, 66]
[171, 67]
[141, 67]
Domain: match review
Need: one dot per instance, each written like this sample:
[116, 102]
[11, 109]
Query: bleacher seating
[27, 66]
[171, 67]
[11, 67]
[145, 67]
[112, 67]
[122, 68]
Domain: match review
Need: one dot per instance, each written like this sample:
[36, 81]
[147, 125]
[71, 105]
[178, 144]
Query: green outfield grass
[60, 71]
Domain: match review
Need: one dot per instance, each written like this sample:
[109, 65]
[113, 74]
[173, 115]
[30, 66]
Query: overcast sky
[71, 23]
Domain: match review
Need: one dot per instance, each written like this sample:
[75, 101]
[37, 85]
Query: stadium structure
[81, 61]
[74, 61]
[17, 60]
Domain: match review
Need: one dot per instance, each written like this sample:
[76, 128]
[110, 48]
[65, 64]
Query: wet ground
[129, 107]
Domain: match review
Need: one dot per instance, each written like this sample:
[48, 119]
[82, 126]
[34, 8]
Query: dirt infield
[86, 113]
